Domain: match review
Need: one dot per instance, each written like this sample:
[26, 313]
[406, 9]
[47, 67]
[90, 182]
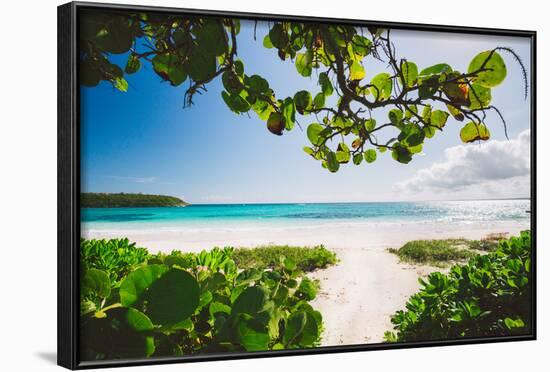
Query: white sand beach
[360, 293]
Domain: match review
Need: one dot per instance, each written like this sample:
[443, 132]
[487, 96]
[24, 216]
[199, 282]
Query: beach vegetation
[306, 258]
[443, 252]
[127, 200]
[436, 252]
[488, 296]
[186, 303]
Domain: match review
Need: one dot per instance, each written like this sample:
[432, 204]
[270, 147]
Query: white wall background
[28, 187]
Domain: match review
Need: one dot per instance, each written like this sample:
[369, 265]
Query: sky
[144, 140]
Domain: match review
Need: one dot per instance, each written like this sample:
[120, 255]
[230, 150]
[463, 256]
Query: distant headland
[124, 200]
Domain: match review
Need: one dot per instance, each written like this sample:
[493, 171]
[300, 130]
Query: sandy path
[357, 308]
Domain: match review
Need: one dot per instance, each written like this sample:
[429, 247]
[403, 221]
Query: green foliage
[124, 200]
[306, 259]
[492, 67]
[472, 132]
[186, 303]
[199, 50]
[115, 257]
[434, 252]
[488, 296]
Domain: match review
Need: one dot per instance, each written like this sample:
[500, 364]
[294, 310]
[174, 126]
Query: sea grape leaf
[381, 86]
[201, 66]
[121, 84]
[278, 36]
[370, 124]
[302, 100]
[495, 66]
[294, 326]
[370, 156]
[313, 133]
[123, 333]
[480, 97]
[319, 101]
[410, 73]
[439, 118]
[310, 332]
[95, 282]
[473, 132]
[169, 67]
[326, 85]
[251, 301]
[428, 87]
[132, 65]
[304, 63]
[401, 153]
[252, 335]
[258, 84]
[171, 295]
[332, 162]
[436, 69]
[289, 113]
[395, 116]
[116, 36]
[357, 72]
[235, 102]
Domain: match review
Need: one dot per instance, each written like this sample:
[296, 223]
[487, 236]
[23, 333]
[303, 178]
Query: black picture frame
[69, 184]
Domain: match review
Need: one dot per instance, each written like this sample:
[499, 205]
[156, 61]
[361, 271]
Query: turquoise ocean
[303, 214]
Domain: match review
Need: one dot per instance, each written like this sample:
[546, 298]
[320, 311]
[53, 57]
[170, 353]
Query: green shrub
[486, 245]
[307, 259]
[488, 296]
[185, 304]
[115, 257]
[434, 252]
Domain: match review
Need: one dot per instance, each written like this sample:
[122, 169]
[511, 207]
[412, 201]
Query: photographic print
[266, 185]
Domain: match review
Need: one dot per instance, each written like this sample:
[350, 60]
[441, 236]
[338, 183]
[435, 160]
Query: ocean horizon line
[358, 202]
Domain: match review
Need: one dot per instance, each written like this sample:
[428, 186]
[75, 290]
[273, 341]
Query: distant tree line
[107, 200]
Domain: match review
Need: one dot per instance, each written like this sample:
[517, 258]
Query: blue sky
[145, 141]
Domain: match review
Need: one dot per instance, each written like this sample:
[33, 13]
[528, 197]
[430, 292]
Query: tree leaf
[95, 282]
[304, 63]
[171, 294]
[382, 86]
[439, 118]
[410, 72]
[294, 326]
[491, 61]
[132, 65]
[302, 100]
[401, 153]
[436, 69]
[251, 301]
[252, 335]
[313, 133]
[278, 36]
[289, 113]
[370, 156]
[480, 97]
[357, 72]
[473, 132]
[319, 101]
[121, 84]
[276, 123]
[326, 85]
[332, 162]
[370, 124]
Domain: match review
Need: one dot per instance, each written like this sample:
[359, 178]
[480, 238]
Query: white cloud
[494, 168]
